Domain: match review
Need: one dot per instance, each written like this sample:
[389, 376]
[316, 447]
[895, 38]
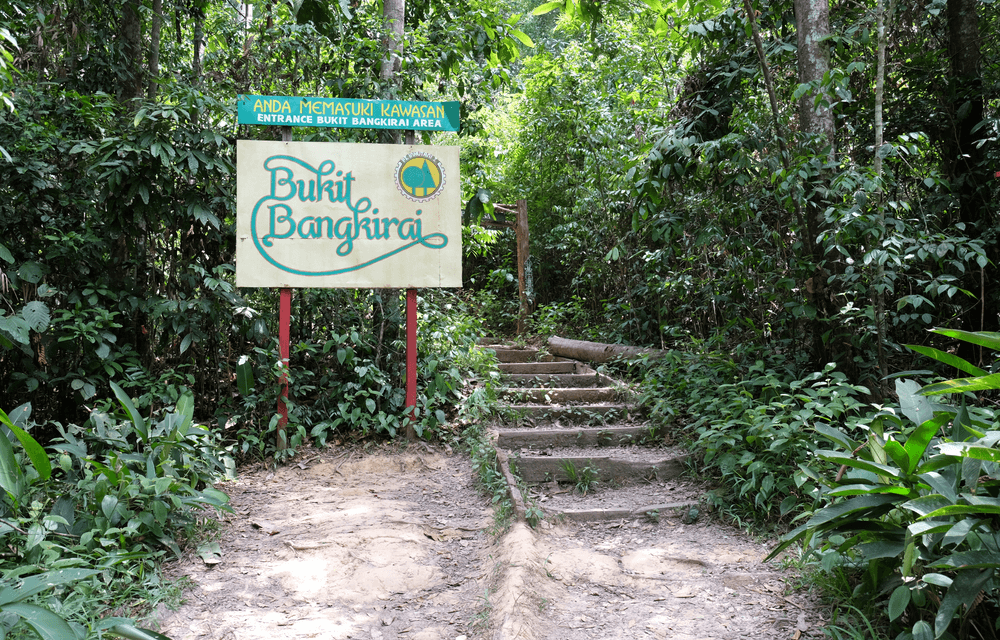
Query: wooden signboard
[340, 215]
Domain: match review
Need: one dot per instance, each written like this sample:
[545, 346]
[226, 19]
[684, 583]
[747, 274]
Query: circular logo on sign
[420, 176]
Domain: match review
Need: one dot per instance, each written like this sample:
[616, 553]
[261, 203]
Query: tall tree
[963, 154]
[880, 284]
[131, 32]
[966, 94]
[387, 311]
[198, 13]
[812, 24]
[812, 29]
[154, 49]
[394, 14]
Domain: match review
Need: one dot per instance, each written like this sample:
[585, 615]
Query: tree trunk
[596, 351]
[394, 15]
[154, 49]
[880, 284]
[199, 42]
[131, 32]
[966, 86]
[812, 25]
[965, 159]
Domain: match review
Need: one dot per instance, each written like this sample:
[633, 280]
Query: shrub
[122, 493]
[916, 506]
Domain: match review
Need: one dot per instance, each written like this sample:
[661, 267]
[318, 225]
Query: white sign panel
[339, 215]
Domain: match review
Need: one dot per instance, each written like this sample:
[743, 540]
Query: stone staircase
[569, 435]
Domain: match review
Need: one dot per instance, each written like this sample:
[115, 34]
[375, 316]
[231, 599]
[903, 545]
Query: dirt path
[396, 544]
[375, 546]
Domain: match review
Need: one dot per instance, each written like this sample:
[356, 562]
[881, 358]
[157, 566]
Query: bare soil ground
[397, 544]
[384, 545]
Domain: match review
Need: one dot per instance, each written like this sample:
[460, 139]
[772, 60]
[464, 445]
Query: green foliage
[664, 194]
[123, 491]
[100, 203]
[569, 317]
[583, 479]
[915, 506]
[118, 216]
[755, 433]
[338, 390]
[492, 482]
[48, 625]
[668, 206]
[677, 383]
[850, 623]
[570, 132]
[497, 303]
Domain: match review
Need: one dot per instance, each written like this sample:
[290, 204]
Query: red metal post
[284, 324]
[411, 359]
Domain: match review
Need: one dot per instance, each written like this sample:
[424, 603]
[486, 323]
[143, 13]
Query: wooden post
[520, 226]
[523, 253]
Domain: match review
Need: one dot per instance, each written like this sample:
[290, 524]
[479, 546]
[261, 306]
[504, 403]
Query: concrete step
[578, 413]
[560, 380]
[651, 511]
[667, 500]
[540, 438]
[516, 355]
[537, 368]
[648, 512]
[603, 468]
[585, 455]
[549, 396]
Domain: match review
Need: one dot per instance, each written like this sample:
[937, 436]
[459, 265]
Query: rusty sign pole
[411, 341]
[411, 358]
[284, 331]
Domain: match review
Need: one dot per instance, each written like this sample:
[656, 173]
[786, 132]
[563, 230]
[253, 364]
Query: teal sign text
[293, 180]
[348, 114]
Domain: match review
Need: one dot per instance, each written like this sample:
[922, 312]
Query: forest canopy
[686, 175]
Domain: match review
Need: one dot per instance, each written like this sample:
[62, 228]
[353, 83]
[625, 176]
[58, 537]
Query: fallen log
[597, 351]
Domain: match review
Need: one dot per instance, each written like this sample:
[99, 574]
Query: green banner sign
[347, 114]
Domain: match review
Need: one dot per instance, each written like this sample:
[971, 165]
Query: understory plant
[911, 500]
[92, 518]
[583, 479]
[754, 433]
[747, 428]
[340, 385]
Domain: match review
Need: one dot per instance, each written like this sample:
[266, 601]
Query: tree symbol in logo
[415, 177]
[419, 176]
